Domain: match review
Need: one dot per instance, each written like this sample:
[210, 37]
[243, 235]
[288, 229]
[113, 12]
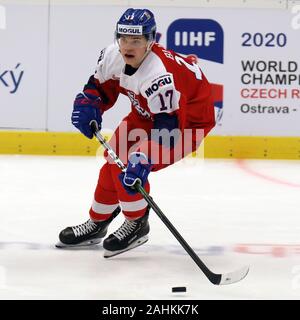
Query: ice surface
[232, 213]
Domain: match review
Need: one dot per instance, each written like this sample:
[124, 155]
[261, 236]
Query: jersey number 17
[169, 93]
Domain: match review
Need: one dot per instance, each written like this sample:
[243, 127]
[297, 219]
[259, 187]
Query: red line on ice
[242, 165]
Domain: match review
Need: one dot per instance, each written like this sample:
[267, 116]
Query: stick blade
[235, 276]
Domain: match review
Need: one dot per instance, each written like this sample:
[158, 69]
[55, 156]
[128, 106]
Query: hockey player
[167, 93]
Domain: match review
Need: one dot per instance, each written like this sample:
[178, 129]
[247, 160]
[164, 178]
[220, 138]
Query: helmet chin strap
[149, 46]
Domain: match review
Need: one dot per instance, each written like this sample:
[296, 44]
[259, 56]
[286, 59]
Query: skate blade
[139, 242]
[87, 243]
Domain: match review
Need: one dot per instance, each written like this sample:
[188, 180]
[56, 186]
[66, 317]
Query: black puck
[179, 289]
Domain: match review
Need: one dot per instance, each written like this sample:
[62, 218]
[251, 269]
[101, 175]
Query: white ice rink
[232, 213]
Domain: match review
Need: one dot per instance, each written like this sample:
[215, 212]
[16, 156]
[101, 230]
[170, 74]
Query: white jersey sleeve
[109, 65]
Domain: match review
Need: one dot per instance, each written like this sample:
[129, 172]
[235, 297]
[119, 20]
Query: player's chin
[131, 61]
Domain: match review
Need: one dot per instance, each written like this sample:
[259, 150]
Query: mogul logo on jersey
[135, 30]
[202, 37]
[161, 81]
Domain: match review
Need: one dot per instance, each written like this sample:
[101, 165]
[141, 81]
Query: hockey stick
[217, 279]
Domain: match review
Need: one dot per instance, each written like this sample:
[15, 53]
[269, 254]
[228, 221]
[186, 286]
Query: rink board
[62, 143]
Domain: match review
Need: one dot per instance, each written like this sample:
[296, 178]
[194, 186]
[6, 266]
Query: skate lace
[84, 228]
[126, 228]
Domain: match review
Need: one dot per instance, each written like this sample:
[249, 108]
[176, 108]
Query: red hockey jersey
[165, 82]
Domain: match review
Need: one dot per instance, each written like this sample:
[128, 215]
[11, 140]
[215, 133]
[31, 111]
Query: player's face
[133, 49]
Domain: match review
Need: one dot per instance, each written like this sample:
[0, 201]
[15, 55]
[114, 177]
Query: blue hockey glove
[86, 109]
[138, 169]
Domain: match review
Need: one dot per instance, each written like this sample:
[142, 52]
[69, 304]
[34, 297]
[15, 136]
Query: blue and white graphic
[202, 37]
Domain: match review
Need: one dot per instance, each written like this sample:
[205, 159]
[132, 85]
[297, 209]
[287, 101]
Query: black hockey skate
[131, 234]
[86, 234]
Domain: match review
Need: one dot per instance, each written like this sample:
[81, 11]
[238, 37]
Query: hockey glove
[138, 169]
[86, 109]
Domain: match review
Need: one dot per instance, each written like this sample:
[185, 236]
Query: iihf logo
[203, 39]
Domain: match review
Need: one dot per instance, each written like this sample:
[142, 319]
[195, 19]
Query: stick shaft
[214, 278]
